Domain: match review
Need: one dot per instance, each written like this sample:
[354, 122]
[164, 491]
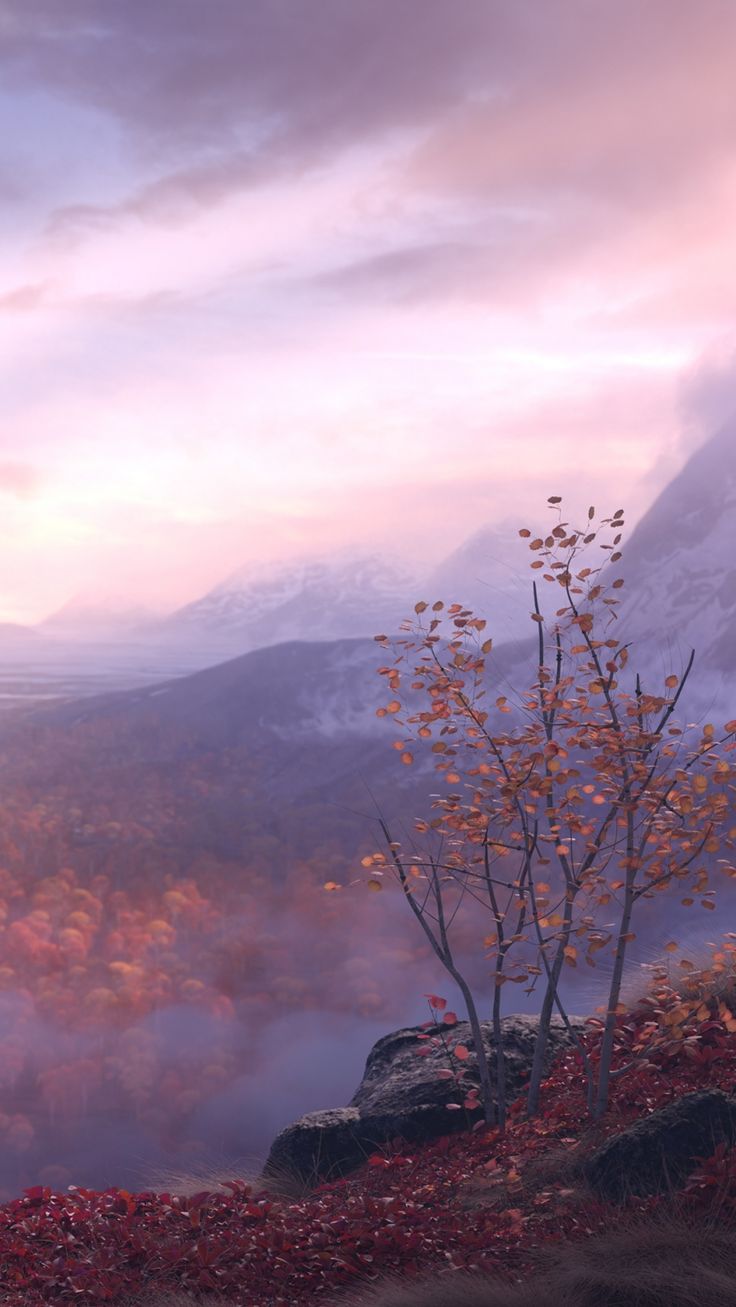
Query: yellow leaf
[375, 885]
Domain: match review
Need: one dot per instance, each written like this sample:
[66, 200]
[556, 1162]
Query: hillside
[515, 1206]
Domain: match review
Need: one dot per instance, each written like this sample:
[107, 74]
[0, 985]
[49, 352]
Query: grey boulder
[402, 1096]
[658, 1153]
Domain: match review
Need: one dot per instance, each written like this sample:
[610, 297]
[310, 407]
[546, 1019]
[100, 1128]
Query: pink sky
[279, 277]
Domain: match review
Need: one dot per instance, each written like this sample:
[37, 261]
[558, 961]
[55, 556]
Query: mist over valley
[165, 846]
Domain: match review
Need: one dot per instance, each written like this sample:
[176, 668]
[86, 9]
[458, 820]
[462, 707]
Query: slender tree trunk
[484, 1075]
[545, 1018]
[500, 1057]
[604, 1068]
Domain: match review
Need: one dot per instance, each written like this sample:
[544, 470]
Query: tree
[591, 785]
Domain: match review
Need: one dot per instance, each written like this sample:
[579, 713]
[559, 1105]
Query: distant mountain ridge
[85, 619]
[316, 599]
[680, 588]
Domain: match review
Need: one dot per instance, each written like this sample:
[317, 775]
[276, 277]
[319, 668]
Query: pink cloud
[23, 299]
[20, 479]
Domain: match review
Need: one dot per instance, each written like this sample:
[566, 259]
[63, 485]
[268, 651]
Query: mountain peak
[679, 565]
[321, 597]
[690, 507]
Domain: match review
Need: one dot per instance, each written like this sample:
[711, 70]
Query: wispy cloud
[23, 299]
[272, 260]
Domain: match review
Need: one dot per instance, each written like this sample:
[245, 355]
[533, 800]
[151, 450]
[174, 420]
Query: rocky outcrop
[402, 1095]
[658, 1153]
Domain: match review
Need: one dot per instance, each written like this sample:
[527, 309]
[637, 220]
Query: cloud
[320, 74]
[23, 299]
[21, 480]
[619, 104]
[170, 199]
[708, 395]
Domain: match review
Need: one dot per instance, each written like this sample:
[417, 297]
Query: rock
[661, 1150]
[401, 1096]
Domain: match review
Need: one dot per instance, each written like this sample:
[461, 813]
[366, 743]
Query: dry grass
[212, 1173]
[657, 1263]
[674, 1257]
[664, 1260]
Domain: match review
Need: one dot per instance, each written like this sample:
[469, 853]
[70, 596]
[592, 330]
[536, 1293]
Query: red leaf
[436, 1002]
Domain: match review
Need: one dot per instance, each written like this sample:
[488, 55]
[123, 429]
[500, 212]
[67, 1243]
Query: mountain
[341, 597]
[84, 620]
[489, 573]
[14, 634]
[679, 570]
[680, 563]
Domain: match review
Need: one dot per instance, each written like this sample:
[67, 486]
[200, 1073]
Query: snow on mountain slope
[680, 582]
[489, 573]
[317, 599]
[680, 563]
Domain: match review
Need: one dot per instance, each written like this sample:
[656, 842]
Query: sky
[279, 278]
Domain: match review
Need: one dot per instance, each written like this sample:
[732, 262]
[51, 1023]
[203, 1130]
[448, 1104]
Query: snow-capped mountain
[489, 573]
[680, 564]
[315, 599]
